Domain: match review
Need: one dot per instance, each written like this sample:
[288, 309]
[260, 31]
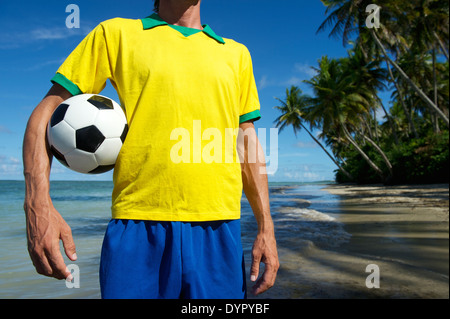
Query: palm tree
[348, 17]
[412, 24]
[340, 102]
[369, 75]
[429, 25]
[433, 107]
[402, 100]
[292, 114]
[366, 46]
[337, 144]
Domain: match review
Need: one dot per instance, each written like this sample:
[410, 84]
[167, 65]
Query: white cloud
[49, 34]
[4, 129]
[263, 82]
[10, 166]
[294, 80]
[299, 73]
[294, 155]
[302, 72]
[306, 144]
[39, 66]
[303, 173]
[301, 176]
[311, 177]
[305, 69]
[14, 160]
[17, 39]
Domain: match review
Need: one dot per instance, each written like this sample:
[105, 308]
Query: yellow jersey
[184, 92]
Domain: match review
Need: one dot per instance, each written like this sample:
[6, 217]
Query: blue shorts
[172, 260]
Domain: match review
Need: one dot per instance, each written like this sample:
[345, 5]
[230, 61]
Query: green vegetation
[406, 56]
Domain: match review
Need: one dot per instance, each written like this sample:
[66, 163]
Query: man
[175, 231]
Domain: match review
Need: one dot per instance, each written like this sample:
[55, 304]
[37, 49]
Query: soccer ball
[86, 133]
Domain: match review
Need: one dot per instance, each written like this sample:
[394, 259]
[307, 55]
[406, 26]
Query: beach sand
[404, 230]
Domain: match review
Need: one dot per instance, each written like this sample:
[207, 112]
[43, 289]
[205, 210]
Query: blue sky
[281, 36]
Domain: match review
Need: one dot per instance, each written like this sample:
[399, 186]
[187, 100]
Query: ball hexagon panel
[81, 161]
[121, 112]
[62, 137]
[80, 115]
[59, 156]
[101, 102]
[58, 114]
[124, 133]
[89, 138]
[49, 135]
[107, 153]
[109, 123]
[101, 169]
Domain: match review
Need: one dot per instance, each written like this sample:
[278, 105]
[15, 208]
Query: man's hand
[256, 189]
[264, 250]
[45, 226]
[44, 231]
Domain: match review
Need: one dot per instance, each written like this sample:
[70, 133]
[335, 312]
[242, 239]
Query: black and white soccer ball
[86, 133]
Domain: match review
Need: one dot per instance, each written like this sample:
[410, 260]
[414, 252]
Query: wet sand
[404, 230]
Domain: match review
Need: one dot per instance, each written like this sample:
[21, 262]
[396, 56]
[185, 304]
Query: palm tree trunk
[391, 123]
[366, 122]
[435, 120]
[383, 155]
[361, 152]
[441, 44]
[375, 124]
[342, 160]
[422, 95]
[329, 155]
[402, 101]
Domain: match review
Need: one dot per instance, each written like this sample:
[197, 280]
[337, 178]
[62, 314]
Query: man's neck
[184, 13]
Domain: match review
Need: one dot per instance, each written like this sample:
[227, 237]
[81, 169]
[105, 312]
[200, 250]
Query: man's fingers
[56, 261]
[266, 281]
[49, 264]
[257, 288]
[254, 270]
[68, 243]
[41, 264]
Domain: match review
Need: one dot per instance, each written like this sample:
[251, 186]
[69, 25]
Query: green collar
[154, 21]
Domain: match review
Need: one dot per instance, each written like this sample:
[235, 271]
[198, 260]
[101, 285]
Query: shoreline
[327, 235]
[410, 195]
[404, 230]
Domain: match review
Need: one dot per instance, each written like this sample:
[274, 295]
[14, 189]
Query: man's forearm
[254, 177]
[45, 226]
[36, 158]
[256, 190]
[255, 184]
[36, 155]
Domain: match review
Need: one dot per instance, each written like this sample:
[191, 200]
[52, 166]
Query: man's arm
[45, 226]
[256, 190]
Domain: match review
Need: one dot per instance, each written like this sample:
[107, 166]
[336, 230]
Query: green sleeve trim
[66, 83]
[255, 115]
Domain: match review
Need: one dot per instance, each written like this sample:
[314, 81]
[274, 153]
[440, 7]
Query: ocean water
[299, 212]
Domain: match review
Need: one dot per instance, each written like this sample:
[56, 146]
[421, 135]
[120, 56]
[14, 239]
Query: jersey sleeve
[88, 67]
[250, 106]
